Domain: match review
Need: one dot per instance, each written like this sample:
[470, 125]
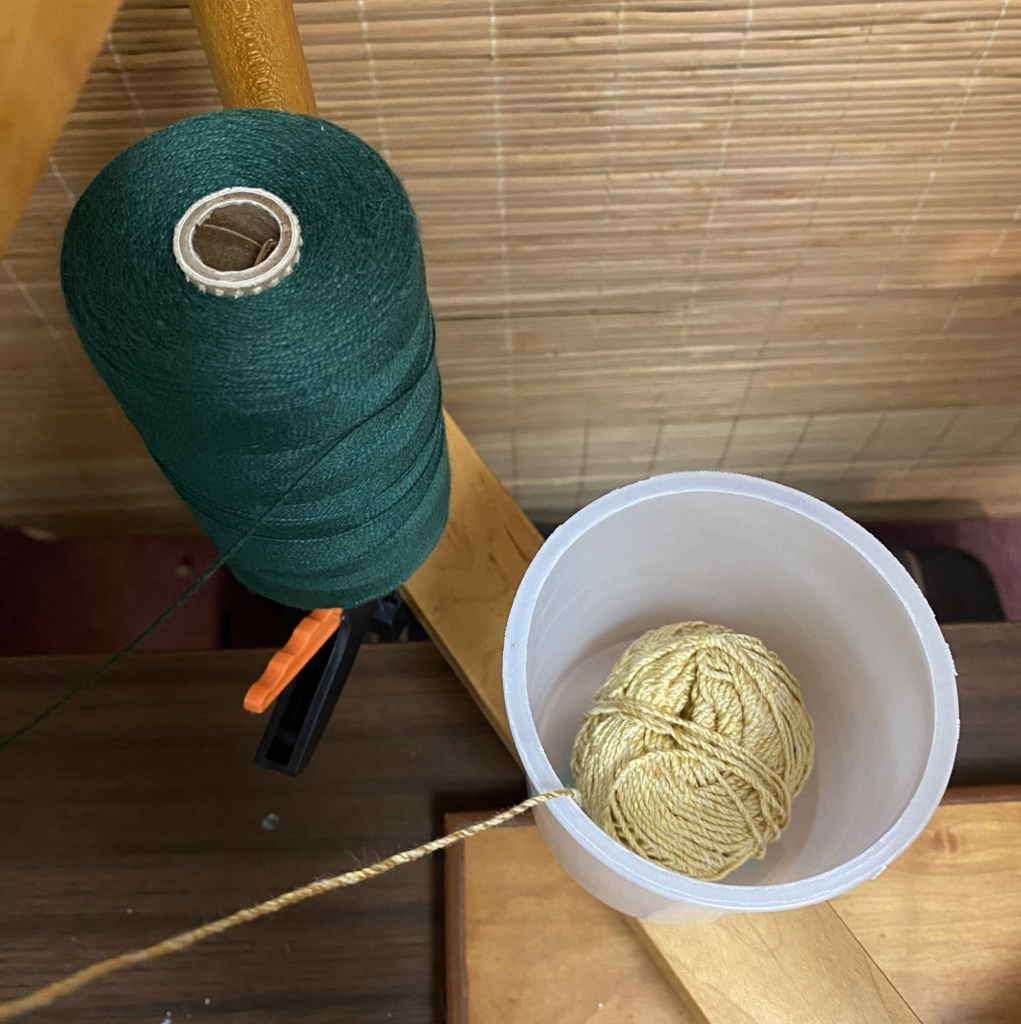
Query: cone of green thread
[320, 395]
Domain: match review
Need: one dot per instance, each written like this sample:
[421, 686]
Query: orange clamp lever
[309, 635]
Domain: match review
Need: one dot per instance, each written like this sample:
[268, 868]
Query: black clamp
[304, 707]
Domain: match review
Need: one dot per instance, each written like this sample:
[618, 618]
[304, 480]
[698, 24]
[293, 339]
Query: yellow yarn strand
[50, 993]
[694, 748]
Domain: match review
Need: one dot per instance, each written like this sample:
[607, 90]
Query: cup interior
[764, 568]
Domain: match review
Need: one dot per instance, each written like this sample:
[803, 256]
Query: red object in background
[994, 542]
[93, 596]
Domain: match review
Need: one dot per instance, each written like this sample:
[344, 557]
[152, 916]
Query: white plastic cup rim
[661, 881]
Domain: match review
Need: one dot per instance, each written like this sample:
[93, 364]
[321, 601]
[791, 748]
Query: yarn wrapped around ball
[694, 749]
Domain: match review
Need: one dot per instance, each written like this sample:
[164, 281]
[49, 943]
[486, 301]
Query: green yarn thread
[306, 421]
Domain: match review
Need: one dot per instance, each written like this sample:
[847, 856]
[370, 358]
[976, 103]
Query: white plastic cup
[841, 612]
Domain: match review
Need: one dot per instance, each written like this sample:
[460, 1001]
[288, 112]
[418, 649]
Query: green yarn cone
[303, 425]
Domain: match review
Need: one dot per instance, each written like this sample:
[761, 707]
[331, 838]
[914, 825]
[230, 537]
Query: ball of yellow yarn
[694, 748]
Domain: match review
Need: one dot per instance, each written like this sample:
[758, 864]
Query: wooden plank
[1005, 793]
[951, 943]
[988, 659]
[455, 938]
[799, 967]
[463, 591]
[533, 947]
[46, 50]
[937, 923]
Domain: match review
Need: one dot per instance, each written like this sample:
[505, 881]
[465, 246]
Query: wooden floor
[136, 812]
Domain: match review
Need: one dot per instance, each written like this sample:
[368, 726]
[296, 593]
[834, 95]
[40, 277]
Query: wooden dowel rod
[255, 53]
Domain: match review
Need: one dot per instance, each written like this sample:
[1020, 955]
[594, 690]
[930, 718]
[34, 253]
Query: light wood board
[526, 945]
[464, 590]
[799, 967]
[773, 237]
[46, 49]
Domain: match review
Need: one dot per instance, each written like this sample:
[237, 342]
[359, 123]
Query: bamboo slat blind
[781, 238]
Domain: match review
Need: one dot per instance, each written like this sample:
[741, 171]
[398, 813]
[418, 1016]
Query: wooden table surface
[137, 812]
[525, 944]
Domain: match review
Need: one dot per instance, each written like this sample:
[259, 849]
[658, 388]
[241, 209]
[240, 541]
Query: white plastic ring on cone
[280, 261]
